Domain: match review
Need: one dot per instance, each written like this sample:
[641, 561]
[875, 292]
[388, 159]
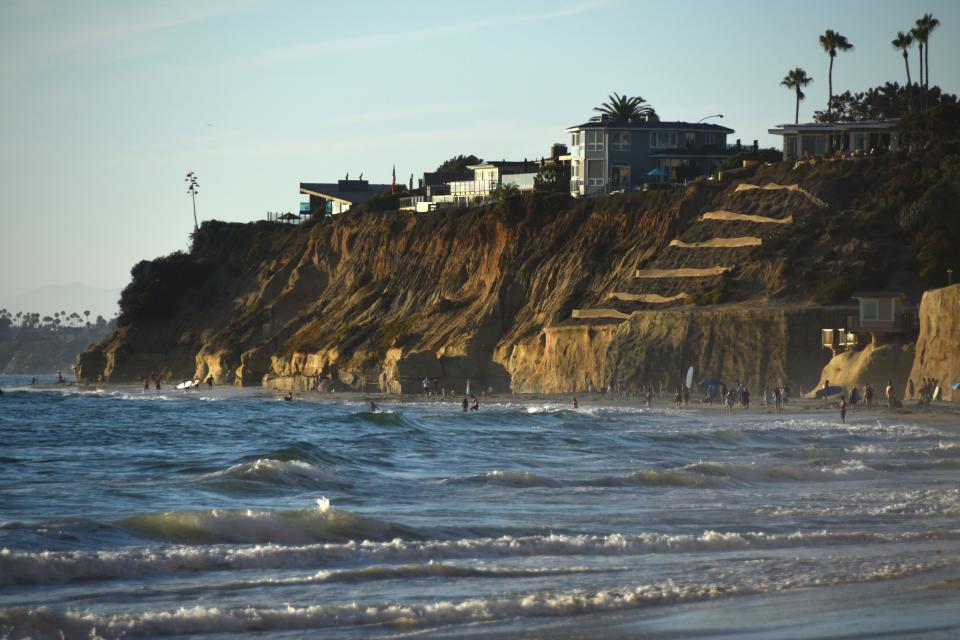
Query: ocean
[230, 513]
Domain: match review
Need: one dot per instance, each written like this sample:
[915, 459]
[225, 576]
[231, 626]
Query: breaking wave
[290, 473]
[58, 567]
[213, 526]
[195, 620]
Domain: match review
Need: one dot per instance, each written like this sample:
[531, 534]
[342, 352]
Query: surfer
[210, 381]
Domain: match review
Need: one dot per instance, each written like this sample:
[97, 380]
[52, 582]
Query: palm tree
[796, 79]
[626, 109]
[831, 41]
[925, 27]
[903, 42]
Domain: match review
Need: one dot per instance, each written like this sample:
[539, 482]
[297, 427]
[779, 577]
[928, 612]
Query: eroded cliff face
[876, 364]
[538, 293]
[938, 346]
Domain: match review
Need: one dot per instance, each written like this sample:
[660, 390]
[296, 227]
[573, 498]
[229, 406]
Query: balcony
[472, 187]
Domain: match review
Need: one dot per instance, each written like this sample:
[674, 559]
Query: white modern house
[826, 138]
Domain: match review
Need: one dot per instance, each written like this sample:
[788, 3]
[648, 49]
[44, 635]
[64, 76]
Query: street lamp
[193, 187]
[716, 115]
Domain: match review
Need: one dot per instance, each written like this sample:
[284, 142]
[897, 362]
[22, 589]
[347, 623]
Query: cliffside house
[331, 198]
[881, 316]
[827, 138]
[607, 155]
[489, 176]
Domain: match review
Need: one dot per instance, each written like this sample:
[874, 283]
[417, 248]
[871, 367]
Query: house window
[663, 139]
[594, 140]
[869, 310]
[595, 174]
[620, 141]
[574, 169]
[690, 139]
[712, 139]
[575, 139]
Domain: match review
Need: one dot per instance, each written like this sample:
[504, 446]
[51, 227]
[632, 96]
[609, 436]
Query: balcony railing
[477, 187]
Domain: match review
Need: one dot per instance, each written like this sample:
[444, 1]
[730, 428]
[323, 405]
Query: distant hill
[74, 296]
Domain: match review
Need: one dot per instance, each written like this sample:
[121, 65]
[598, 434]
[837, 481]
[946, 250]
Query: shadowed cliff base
[538, 292]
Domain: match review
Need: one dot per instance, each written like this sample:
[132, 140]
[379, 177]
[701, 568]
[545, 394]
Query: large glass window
[870, 309]
[620, 141]
[575, 139]
[594, 140]
[663, 139]
[596, 176]
[574, 169]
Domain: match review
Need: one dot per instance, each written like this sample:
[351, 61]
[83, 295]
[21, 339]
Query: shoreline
[938, 412]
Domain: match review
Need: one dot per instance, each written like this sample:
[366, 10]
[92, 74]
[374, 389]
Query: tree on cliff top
[890, 100]
[458, 164]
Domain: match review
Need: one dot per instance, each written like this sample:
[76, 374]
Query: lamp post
[192, 188]
[716, 115]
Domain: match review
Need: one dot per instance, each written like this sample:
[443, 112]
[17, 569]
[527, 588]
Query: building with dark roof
[331, 198]
[607, 155]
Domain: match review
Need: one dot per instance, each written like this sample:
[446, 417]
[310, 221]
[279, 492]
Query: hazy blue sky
[104, 106]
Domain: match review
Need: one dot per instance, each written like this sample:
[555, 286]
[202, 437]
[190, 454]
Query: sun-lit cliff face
[538, 293]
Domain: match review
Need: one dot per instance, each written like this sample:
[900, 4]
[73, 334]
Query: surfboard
[955, 386]
[936, 393]
[196, 383]
[690, 377]
[826, 392]
[185, 385]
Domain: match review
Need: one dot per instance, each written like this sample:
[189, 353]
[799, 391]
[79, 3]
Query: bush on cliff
[157, 287]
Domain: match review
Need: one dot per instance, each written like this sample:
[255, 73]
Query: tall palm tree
[926, 26]
[903, 42]
[832, 42]
[796, 80]
[920, 37]
[626, 108]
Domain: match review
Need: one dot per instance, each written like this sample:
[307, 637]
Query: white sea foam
[44, 622]
[57, 567]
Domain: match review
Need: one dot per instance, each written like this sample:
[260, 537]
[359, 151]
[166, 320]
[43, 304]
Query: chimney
[738, 144]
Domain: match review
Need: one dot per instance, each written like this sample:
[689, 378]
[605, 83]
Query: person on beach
[465, 404]
[649, 397]
[843, 410]
[888, 394]
[766, 399]
[210, 382]
[868, 395]
[426, 386]
[686, 396]
[146, 385]
[576, 405]
[678, 397]
[778, 399]
[289, 396]
[474, 403]
[854, 399]
[157, 384]
[745, 401]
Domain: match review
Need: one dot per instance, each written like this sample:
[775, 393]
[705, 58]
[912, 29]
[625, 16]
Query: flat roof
[780, 129]
[652, 126]
[350, 193]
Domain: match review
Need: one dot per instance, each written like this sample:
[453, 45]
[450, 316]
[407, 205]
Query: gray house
[848, 138]
[331, 198]
[607, 155]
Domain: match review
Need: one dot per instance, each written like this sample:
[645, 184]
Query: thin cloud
[306, 51]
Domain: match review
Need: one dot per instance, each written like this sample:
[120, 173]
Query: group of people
[472, 403]
[153, 381]
[928, 388]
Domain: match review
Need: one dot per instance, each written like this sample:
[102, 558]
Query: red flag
[393, 183]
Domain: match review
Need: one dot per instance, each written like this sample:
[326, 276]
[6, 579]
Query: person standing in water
[474, 403]
[576, 405]
[465, 404]
[843, 409]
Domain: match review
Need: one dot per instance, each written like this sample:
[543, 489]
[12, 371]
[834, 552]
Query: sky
[104, 106]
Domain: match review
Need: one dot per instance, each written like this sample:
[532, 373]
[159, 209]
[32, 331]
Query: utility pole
[193, 187]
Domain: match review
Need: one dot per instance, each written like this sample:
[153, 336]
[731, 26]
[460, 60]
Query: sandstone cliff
[537, 293]
[938, 346]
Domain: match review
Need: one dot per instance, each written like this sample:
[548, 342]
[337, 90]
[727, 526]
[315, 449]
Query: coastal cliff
[537, 292]
[938, 346]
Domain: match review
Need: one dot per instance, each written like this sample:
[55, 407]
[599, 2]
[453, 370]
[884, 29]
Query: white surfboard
[690, 377]
[185, 385]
